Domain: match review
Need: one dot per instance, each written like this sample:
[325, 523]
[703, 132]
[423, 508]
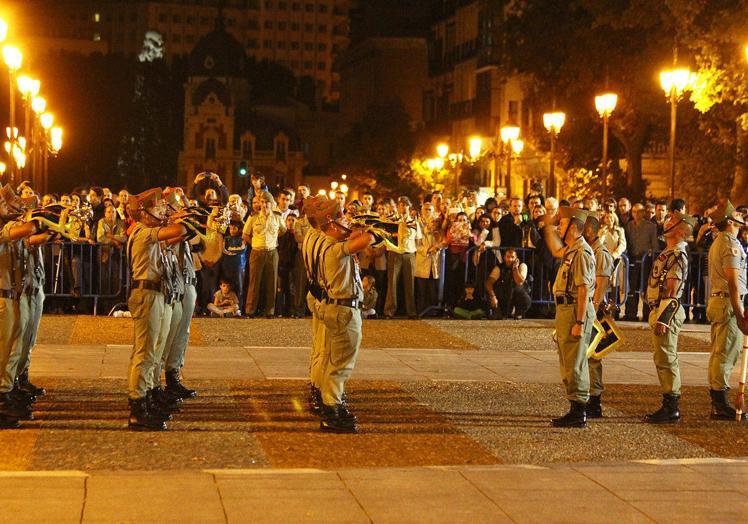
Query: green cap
[682, 217]
[573, 212]
[725, 211]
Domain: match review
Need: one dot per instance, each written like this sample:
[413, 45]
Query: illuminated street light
[38, 105]
[553, 123]
[13, 59]
[333, 185]
[475, 145]
[56, 139]
[321, 192]
[344, 188]
[442, 150]
[674, 83]
[509, 133]
[605, 105]
[47, 120]
[3, 167]
[518, 146]
[3, 35]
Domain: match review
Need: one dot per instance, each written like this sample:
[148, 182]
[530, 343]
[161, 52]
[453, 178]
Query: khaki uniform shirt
[10, 270]
[264, 230]
[144, 253]
[339, 273]
[724, 253]
[603, 259]
[577, 268]
[300, 229]
[670, 264]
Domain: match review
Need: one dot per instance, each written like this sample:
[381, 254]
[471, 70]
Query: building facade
[469, 94]
[303, 35]
[223, 132]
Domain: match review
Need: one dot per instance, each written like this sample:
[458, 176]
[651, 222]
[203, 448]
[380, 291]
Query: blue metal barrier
[695, 291]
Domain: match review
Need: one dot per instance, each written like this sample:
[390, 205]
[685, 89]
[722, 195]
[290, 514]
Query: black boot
[17, 392]
[575, 418]
[155, 408]
[9, 414]
[175, 388]
[594, 407]
[332, 422]
[669, 413]
[27, 387]
[141, 419]
[314, 400]
[721, 408]
[23, 403]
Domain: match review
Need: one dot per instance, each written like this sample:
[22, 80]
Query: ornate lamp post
[674, 82]
[553, 123]
[13, 59]
[605, 105]
[509, 134]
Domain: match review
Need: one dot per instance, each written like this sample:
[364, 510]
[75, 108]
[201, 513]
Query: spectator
[284, 204]
[510, 226]
[95, 198]
[641, 239]
[367, 203]
[234, 260]
[649, 212]
[551, 208]
[507, 288]
[624, 212]
[486, 255]
[122, 198]
[225, 302]
[368, 305]
[236, 204]
[48, 199]
[469, 307]
[261, 232]
[257, 186]
[287, 256]
[457, 242]
[428, 259]
[301, 228]
[303, 191]
[401, 261]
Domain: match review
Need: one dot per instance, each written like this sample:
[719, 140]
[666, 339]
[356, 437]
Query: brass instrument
[605, 334]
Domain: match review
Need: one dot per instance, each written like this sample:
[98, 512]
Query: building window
[267, 44]
[162, 18]
[307, 65]
[281, 26]
[204, 20]
[177, 38]
[322, 28]
[294, 64]
[309, 8]
[177, 19]
[252, 43]
[321, 66]
[190, 19]
[210, 148]
[281, 44]
[268, 4]
[322, 47]
[97, 37]
[190, 38]
[513, 112]
[308, 28]
[296, 6]
[280, 149]
[294, 26]
[97, 17]
[308, 46]
[252, 24]
[294, 46]
[322, 8]
[282, 6]
[268, 24]
[247, 149]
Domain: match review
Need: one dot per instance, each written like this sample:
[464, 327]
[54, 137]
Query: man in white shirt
[402, 260]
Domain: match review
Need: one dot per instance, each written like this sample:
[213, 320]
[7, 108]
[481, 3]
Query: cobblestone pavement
[452, 429]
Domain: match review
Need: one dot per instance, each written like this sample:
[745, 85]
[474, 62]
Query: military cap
[173, 196]
[593, 216]
[683, 217]
[573, 212]
[725, 211]
[144, 200]
[319, 207]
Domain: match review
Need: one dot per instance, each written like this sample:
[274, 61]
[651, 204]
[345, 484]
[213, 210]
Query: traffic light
[243, 170]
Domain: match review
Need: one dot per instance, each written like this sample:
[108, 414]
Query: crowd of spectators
[494, 261]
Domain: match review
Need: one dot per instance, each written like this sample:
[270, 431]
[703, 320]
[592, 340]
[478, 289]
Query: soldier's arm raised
[553, 241]
[22, 231]
[358, 243]
[171, 231]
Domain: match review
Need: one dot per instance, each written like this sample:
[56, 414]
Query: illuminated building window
[97, 17]
[97, 37]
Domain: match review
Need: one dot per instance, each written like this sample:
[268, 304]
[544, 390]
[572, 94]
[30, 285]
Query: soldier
[727, 275]
[313, 243]
[179, 331]
[339, 312]
[146, 301]
[666, 316]
[14, 404]
[573, 290]
[603, 272]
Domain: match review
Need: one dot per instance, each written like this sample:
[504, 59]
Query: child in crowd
[234, 259]
[469, 307]
[225, 302]
[369, 304]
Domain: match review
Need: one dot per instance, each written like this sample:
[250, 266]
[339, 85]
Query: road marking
[50, 473]
[690, 461]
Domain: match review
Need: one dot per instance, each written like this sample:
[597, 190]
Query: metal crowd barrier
[84, 270]
[696, 291]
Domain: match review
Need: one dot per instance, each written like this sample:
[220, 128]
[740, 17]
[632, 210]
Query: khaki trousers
[176, 344]
[147, 309]
[572, 351]
[10, 330]
[172, 314]
[342, 342]
[665, 352]
[726, 342]
[36, 307]
[316, 369]
[263, 271]
[596, 377]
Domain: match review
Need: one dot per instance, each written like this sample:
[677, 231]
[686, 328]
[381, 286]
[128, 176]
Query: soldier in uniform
[665, 286]
[573, 290]
[14, 404]
[146, 301]
[312, 245]
[179, 332]
[727, 275]
[339, 312]
[603, 272]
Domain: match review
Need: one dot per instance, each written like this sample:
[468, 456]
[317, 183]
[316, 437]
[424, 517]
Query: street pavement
[454, 428]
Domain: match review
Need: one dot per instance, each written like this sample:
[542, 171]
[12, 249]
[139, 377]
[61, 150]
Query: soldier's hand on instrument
[576, 331]
[743, 322]
[660, 329]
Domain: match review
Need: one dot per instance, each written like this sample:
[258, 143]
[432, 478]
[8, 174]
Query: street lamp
[475, 145]
[442, 150]
[605, 105]
[3, 30]
[13, 59]
[553, 123]
[29, 89]
[509, 135]
[674, 82]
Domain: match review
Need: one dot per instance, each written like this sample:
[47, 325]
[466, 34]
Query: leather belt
[190, 281]
[723, 294]
[346, 302]
[153, 285]
[173, 299]
[565, 299]
[8, 293]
